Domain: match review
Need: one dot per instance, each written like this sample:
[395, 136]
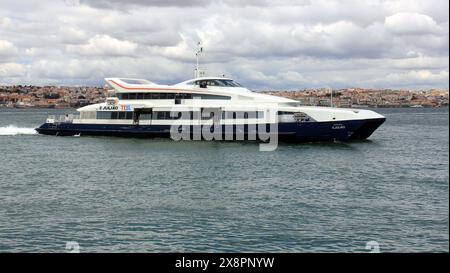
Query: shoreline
[353, 106]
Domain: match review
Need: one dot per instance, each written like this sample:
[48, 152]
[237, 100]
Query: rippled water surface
[156, 195]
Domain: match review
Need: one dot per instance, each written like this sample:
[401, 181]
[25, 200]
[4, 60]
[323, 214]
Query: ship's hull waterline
[291, 131]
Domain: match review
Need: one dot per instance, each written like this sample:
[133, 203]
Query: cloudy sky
[291, 44]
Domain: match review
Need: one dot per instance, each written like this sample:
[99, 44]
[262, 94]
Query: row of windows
[176, 115]
[298, 116]
[114, 115]
[168, 96]
[215, 82]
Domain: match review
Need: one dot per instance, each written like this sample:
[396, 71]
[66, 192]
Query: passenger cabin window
[215, 82]
[167, 115]
[87, 114]
[172, 115]
[114, 115]
[297, 116]
[135, 81]
[169, 96]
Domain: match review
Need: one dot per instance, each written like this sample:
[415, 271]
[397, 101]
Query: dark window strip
[169, 96]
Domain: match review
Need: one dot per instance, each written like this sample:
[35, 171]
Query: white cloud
[72, 35]
[104, 45]
[420, 62]
[6, 22]
[420, 77]
[72, 69]
[8, 70]
[411, 23]
[413, 78]
[7, 49]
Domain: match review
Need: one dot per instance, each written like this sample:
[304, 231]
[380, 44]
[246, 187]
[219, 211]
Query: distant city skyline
[272, 45]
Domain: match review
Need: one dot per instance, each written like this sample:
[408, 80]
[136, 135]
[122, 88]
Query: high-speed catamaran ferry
[141, 108]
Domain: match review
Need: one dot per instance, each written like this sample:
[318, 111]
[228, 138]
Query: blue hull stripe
[308, 131]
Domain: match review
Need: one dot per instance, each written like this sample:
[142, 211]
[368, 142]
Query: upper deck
[130, 84]
[218, 86]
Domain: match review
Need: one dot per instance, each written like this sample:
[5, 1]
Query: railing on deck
[69, 118]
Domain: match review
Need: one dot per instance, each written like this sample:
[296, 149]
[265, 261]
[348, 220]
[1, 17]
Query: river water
[156, 195]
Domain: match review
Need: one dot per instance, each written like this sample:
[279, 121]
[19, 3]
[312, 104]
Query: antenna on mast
[197, 55]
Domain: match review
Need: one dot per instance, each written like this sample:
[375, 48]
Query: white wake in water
[12, 130]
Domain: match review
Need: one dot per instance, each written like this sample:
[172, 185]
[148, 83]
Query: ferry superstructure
[141, 108]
